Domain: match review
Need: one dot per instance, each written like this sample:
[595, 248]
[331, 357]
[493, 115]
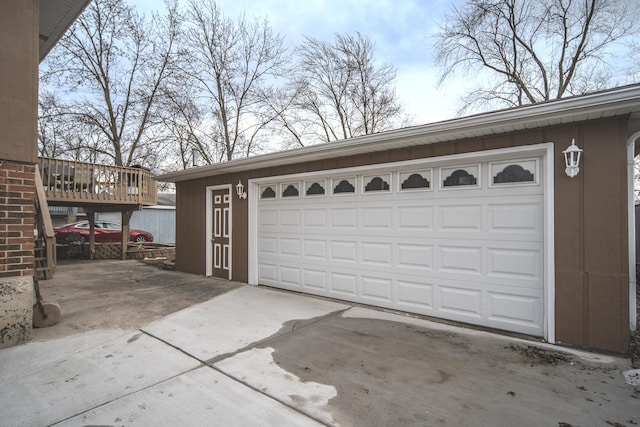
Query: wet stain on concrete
[396, 373]
[346, 354]
[287, 328]
[134, 338]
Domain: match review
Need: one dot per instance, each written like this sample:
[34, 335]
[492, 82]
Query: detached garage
[472, 220]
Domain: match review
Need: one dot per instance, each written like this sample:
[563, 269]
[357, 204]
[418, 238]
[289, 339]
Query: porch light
[240, 190]
[572, 159]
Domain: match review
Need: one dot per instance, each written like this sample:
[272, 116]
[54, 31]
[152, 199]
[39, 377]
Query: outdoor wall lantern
[572, 159]
[240, 190]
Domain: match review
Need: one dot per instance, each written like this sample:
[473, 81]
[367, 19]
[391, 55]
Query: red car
[105, 231]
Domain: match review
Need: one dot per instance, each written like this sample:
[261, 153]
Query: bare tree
[187, 126]
[109, 66]
[341, 90]
[232, 63]
[633, 62]
[371, 91]
[53, 138]
[293, 126]
[533, 50]
[61, 134]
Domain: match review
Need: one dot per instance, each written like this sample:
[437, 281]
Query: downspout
[631, 214]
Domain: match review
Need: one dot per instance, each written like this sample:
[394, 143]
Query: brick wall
[17, 221]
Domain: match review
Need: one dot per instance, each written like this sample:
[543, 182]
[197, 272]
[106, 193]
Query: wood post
[91, 217]
[126, 217]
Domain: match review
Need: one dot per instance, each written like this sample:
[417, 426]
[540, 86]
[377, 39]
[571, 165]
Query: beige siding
[19, 81]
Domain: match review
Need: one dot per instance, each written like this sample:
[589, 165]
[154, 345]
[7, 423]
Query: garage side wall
[590, 223]
[191, 217]
[592, 279]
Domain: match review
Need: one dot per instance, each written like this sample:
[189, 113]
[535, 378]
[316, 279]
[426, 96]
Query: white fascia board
[615, 102]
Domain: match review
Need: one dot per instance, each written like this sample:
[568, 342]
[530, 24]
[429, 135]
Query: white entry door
[463, 241]
[220, 236]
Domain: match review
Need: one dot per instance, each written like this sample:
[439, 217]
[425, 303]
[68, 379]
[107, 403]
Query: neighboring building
[62, 215]
[472, 220]
[159, 220]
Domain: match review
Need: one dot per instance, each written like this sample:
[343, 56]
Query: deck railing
[66, 182]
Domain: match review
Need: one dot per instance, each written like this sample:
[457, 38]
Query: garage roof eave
[615, 102]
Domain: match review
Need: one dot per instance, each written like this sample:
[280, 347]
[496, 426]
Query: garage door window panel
[290, 189]
[315, 188]
[376, 184]
[460, 176]
[342, 186]
[267, 192]
[415, 180]
[521, 172]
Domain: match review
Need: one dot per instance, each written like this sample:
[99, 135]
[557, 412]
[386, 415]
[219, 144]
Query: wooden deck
[96, 187]
[92, 187]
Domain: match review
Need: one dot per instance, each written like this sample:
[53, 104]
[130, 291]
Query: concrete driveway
[254, 356]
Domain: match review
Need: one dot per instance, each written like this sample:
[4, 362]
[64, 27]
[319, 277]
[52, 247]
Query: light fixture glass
[240, 190]
[572, 159]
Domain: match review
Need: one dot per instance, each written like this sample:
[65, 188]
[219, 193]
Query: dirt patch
[109, 294]
[540, 355]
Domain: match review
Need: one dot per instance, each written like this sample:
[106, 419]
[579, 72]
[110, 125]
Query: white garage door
[457, 241]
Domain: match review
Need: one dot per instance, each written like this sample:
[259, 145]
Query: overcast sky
[400, 29]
